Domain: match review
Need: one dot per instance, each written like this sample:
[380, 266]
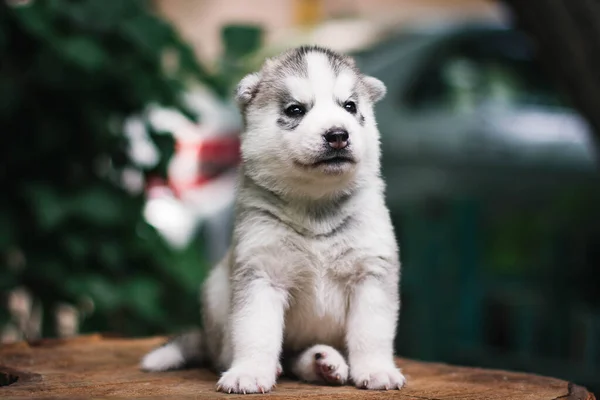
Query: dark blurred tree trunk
[568, 33]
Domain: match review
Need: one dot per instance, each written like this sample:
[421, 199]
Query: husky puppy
[312, 274]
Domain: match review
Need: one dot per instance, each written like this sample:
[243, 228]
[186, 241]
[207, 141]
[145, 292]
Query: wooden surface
[93, 366]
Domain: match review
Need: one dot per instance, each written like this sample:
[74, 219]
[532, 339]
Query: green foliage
[71, 72]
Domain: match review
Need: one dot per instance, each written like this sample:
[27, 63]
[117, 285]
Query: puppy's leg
[256, 335]
[321, 363]
[370, 335]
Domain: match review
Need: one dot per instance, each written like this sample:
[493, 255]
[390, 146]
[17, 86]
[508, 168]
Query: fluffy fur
[313, 271]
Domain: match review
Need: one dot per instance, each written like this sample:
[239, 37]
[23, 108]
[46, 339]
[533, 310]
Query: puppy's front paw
[377, 377]
[247, 379]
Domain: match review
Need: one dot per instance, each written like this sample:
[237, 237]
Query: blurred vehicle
[464, 98]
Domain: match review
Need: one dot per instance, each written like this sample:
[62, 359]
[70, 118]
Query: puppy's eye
[295, 110]
[350, 106]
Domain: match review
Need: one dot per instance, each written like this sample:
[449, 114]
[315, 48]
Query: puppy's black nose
[337, 138]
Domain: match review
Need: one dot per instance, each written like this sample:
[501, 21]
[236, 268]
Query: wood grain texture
[94, 366]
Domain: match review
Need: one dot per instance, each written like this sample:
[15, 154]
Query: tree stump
[97, 366]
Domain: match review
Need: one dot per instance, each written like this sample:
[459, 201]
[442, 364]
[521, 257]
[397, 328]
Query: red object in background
[221, 150]
[214, 156]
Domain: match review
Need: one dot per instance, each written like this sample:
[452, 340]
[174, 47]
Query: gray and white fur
[313, 271]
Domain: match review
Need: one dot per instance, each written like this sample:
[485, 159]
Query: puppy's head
[310, 128]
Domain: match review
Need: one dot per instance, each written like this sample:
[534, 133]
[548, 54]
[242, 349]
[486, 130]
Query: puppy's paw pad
[321, 363]
[331, 366]
[380, 379]
[246, 380]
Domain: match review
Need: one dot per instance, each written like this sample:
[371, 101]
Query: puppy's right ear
[375, 88]
[246, 89]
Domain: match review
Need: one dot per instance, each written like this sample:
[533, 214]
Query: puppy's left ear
[246, 89]
[375, 88]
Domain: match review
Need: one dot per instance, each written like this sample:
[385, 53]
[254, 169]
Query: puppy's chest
[320, 298]
[324, 281]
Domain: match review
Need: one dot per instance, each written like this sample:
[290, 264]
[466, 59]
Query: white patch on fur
[327, 113]
[299, 89]
[321, 77]
[343, 85]
[163, 358]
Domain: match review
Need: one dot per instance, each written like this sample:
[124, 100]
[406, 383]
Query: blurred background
[119, 148]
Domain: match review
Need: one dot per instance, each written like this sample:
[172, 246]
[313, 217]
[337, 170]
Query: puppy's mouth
[332, 160]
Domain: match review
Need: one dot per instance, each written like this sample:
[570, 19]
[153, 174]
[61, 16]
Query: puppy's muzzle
[337, 138]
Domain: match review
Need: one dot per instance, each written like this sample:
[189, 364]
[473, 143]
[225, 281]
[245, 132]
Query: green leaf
[6, 229]
[35, 20]
[99, 206]
[47, 206]
[83, 52]
[106, 295]
[101, 16]
[76, 246]
[11, 97]
[148, 34]
[143, 295]
[111, 255]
